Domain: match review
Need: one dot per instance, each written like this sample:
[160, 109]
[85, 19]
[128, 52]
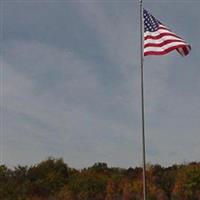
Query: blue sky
[70, 84]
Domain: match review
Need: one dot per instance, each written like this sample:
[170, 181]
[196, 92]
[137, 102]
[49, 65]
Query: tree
[47, 177]
[65, 194]
[110, 191]
[127, 190]
[88, 186]
[187, 185]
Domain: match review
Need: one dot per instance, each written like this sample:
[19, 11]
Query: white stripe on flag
[159, 49]
[162, 39]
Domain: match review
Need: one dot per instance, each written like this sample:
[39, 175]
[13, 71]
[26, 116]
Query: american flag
[159, 40]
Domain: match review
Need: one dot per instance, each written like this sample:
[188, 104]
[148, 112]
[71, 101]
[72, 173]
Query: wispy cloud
[65, 115]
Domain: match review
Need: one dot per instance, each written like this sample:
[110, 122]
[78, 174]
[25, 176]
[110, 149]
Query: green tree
[47, 177]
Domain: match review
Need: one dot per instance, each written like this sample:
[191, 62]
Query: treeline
[52, 179]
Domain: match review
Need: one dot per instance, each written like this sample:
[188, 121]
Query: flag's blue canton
[150, 22]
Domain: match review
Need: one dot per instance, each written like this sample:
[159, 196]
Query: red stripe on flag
[164, 51]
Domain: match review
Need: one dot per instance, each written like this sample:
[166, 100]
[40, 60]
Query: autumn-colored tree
[137, 188]
[187, 185]
[52, 179]
[65, 194]
[127, 190]
[156, 183]
[110, 191]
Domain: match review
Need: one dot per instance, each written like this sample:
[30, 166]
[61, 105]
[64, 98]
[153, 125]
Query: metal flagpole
[142, 99]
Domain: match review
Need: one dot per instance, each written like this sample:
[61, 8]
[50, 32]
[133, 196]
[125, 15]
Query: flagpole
[142, 98]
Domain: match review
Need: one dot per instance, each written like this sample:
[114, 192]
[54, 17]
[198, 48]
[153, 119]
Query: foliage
[187, 185]
[47, 177]
[52, 179]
